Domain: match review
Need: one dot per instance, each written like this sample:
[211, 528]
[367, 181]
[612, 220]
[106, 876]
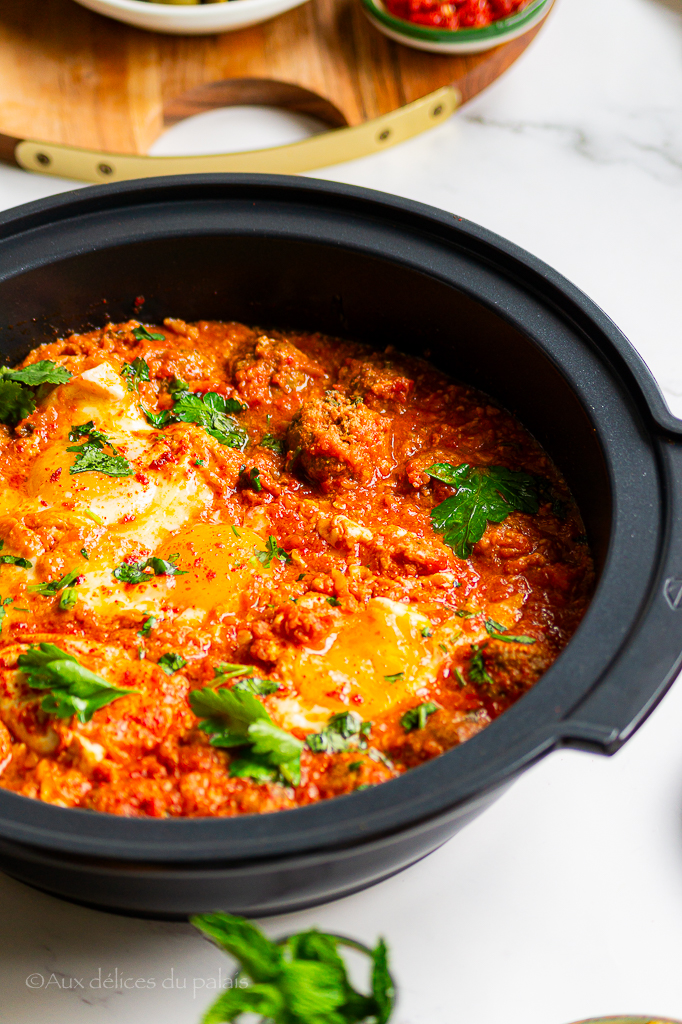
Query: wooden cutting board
[84, 96]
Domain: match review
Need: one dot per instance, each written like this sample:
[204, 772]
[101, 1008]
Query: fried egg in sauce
[201, 506]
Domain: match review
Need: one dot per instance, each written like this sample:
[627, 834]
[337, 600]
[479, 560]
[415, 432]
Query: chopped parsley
[84, 553]
[19, 388]
[477, 670]
[302, 980]
[466, 613]
[171, 662]
[209, 410]
[273, 443]
[459, 677]
[416, 718]
[54, 586]
[250, 479]
[236, 718]
[135, 372]
[272, 551]
[484, 494]
[345, 731]
[3, 602]
[22, 563]
[136, 572]
[426, 632]
[334, 602]
[74, 689]
[394, 678]
[91, 457]
[247, 681]
[147, 626]
[499, 632]
[142, 334]
[200, 462]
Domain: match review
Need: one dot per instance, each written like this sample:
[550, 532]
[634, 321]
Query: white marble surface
[565, 899]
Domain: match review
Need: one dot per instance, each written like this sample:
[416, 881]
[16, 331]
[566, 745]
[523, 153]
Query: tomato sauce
[259, 515]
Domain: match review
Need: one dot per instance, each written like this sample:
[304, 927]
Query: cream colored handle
[331, 147]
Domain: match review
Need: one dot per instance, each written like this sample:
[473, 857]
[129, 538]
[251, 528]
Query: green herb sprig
[19, 389]
[344, 731]
[142, 334]
[135, 372]
[91, 457]
[22, 563]
[416, 718]
[210, 411]
[236, 718]
[273, 443]
[74, 689]
[484, 495]
[53, 587]
[302, 980]
[272, 551]
[499, 632]
[137, 572]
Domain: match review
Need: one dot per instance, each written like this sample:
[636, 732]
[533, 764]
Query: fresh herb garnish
[344, 731]
[142, 334]
[459, 677]
[466, 613]
[147, 626]
[499, 632]
[210, 411]
[84, 553]
[426, 632]
[484, 494]
[394, 677]
[171, 662]
[7, 600]
[272, 551]
[477, 670]
[54, 586]
[136, 572]
[68, 599]
[416, 718]
[19, 388]
[302, 980]
[247, 681]
[273, 443]
[22, 563]
[333, 601]
[250, 480]
[135, 372]
[75, 690]
[91, 457]
[236, 718]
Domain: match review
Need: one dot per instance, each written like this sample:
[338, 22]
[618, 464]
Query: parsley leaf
[147, 626]
[344, 731]
[91, 457]
[235, 718]
[42, 372]
[496, 631]
[171, 662]
[75, 690]
[250, 479]
[16, 403]
[302, 980]
[477, 670]
[272, 551]
[136, 572]
[135, 372]
[275, 445]
[142, 334]
[7, 600]
[23, 563]
[210, 411]
[18, 388]
[250, 683]
[52, 588]
[416, 718]
[484, 494]
[394, 677]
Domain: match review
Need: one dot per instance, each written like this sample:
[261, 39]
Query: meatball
[380, 384]
[442, 731]
[334, 438]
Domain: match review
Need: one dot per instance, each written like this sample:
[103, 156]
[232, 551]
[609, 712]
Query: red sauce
[455, 14]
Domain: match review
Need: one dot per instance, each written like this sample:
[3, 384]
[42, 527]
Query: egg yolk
[379, 659]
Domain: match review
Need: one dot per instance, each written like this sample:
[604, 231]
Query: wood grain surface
[73, 77]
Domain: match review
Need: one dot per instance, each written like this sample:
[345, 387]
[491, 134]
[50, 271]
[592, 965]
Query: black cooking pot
[296, 253]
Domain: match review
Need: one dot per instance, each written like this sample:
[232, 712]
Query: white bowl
[191, 20]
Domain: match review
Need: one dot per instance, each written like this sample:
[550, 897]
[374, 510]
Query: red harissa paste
[455, 13]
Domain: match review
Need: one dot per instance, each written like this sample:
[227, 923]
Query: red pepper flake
[56, 475]
[129, 518]
[211, 575]
[161, 461]
[141, 478]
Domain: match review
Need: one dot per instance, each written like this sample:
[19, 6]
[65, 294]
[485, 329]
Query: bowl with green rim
[461, 40]
[628, 1020]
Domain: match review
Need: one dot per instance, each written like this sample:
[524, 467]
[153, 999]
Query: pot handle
[643, 671]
